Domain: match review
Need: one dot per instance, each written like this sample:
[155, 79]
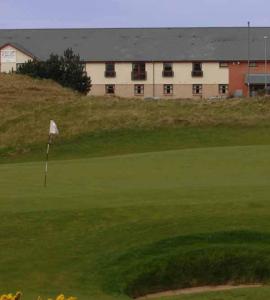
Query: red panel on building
[238, 72]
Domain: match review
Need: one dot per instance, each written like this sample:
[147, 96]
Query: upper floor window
[110, 70]
[167, 70]
[223, 64]
[8, 56]
[138, 71]
[253, 64]
[197, 69]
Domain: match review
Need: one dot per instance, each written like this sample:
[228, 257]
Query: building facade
[152, 63]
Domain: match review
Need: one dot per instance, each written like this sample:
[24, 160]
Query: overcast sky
[132, 13]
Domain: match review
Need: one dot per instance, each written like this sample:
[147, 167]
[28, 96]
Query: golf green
[79, 236]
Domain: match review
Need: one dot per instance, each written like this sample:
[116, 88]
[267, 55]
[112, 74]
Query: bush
[67, 70]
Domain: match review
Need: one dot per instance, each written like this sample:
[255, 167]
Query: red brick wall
[237, 74]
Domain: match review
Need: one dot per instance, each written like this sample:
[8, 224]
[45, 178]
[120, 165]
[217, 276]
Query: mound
[27, 105]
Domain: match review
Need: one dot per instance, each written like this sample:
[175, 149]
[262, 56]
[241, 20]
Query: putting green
[69, 236]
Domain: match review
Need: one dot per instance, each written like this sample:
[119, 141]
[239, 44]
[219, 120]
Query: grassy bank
[27, 105]
[126, 141]
[191, 261]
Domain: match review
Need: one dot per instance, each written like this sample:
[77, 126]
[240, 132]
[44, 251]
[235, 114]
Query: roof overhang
[258, 79]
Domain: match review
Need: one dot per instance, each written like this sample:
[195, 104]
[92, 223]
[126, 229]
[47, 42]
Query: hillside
[27, 105]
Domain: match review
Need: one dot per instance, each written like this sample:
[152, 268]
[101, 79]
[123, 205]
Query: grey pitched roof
[142, 44]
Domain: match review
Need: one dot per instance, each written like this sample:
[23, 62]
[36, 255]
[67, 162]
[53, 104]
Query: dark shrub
[67, 70]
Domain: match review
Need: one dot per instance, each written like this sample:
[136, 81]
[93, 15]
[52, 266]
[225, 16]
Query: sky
[132, 13]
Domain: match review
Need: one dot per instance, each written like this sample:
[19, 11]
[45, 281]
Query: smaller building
[11, 57]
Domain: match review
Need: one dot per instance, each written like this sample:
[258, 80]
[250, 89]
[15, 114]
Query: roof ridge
[134, 28]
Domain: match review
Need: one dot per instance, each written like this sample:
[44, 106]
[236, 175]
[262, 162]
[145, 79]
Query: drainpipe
[154, 94]
[265, 63]
[248, 59]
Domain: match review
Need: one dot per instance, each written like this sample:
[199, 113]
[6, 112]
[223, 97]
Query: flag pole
[47, 160]
[52, 132]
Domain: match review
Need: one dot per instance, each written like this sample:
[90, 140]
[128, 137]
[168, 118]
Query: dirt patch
[198, 290]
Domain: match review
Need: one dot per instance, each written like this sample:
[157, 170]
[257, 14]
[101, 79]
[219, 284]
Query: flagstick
[47, 160]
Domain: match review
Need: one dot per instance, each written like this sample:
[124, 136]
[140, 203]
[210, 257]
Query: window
[139, 89]
[8, 56]
[197, 69]
[223, 89]
[197, 89]
[168, 89]
[83, 64]
[138, 71]
[223, 64]
[18, 65]
[167, 70]
[253, 64]
[110, 70]
[110, 89]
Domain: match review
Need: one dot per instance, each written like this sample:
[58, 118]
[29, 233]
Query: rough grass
[27, 104]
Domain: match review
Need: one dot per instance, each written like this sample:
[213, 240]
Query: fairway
[99, 218]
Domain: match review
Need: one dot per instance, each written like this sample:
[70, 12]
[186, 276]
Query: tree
[67, 70]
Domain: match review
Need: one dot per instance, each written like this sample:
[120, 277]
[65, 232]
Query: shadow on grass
[138, 140]
[189, 261]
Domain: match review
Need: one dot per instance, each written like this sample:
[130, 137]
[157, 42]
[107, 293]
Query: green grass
[142, 196]
[126, 141]
[103, 218]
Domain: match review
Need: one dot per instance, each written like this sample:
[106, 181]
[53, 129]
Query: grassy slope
[96, 126]
[103, 218]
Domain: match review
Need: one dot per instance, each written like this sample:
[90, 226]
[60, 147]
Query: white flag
[53, 128]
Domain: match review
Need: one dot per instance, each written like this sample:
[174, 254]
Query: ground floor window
[139, 89]
[168, 89]
[110, 89]
[18, 65]
[223, 89]
[197, 89]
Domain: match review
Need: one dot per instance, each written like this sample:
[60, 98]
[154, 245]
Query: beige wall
[9, 66]
[123, 74]
[182, 80]
[184, 91]
[213, 74]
